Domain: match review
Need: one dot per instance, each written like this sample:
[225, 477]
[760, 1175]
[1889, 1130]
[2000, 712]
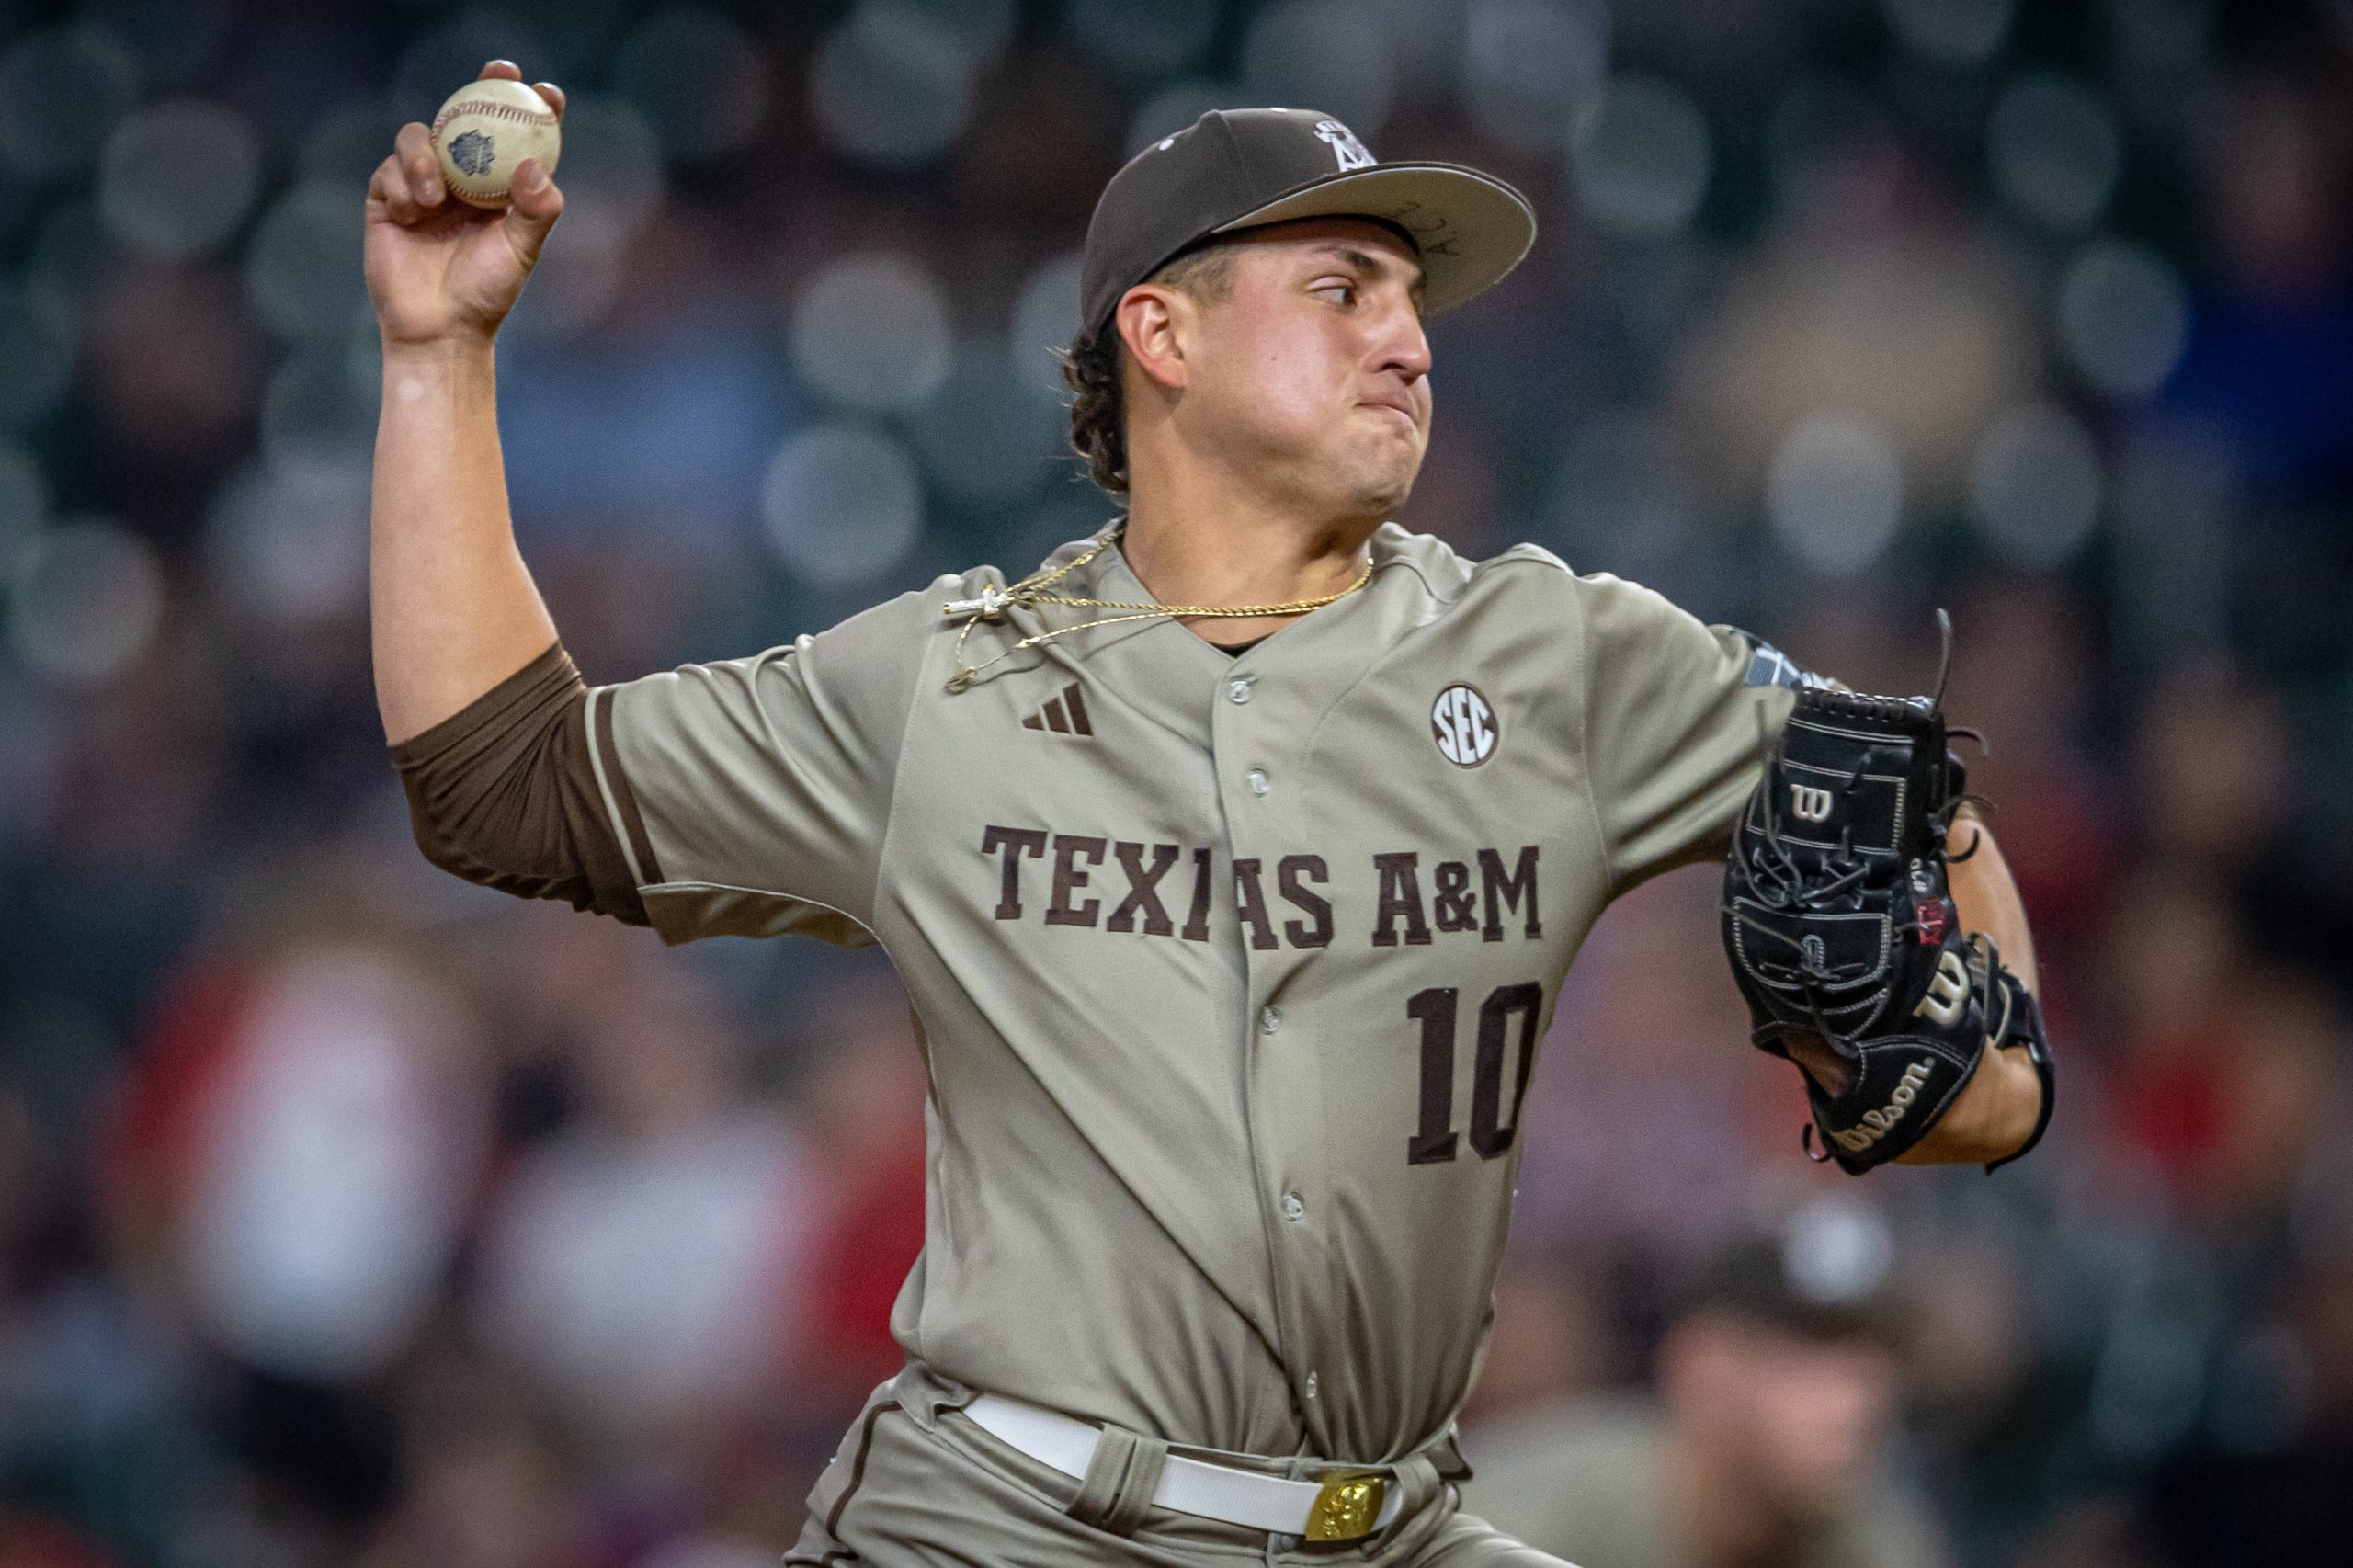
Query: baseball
[487, 127]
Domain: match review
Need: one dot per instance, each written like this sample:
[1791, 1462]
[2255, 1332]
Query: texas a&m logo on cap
[1352, 153]
[1464, 723]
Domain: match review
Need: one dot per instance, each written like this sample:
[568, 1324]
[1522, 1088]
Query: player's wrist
[458, 345]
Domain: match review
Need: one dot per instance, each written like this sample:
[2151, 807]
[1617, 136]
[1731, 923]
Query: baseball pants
[918, 1486]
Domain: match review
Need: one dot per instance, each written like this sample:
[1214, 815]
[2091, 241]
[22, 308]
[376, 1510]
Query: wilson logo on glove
[1948, 991]
[1876, 1123]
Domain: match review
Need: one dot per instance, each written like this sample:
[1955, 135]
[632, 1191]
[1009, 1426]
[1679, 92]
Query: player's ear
[1150, 319]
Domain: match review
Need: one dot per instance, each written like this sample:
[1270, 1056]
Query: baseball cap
[1825, 1272]
[1237, 168]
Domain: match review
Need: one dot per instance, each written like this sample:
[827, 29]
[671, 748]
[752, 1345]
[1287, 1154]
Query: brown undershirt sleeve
[504, 793]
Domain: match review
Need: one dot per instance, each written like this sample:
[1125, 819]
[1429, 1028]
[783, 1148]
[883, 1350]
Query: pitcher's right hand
[442, 271]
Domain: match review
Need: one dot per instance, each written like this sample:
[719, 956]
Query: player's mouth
[1396, 406]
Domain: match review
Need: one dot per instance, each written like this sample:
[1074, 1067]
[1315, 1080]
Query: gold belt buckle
[1347, 1506]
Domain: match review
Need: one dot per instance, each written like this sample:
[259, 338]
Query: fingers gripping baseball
[443, 269]
[537, 205]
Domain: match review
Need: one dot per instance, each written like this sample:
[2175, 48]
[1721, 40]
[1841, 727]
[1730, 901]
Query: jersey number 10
[1491, 1133]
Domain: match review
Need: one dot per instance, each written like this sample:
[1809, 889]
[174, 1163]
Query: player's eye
[1340, 290]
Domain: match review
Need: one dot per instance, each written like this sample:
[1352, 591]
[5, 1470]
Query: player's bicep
[1675, 714]
[755, 792]
[742, 795]
[504, 793]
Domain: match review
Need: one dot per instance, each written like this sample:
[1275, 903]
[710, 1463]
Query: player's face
[1822, 1411]
[1799, 1420]
[1313, 369]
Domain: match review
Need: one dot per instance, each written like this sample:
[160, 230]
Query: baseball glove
[1840, 919]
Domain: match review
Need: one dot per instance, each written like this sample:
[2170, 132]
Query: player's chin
[1366, 470]
[1385, 474]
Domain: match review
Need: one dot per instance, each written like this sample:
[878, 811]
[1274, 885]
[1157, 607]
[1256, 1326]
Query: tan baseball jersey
[1230, 972]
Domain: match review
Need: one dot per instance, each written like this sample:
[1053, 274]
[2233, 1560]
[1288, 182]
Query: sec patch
[1464, 725]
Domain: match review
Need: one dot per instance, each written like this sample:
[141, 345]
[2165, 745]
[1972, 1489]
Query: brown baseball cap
[1826, 1273]
[1237, 168]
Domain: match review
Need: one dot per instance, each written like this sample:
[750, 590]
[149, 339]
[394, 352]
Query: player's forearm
[1986, 897]
[454, 610]
[1994, 1114]
[1997, 1108]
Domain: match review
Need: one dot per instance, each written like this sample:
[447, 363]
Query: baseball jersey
[1228, 972]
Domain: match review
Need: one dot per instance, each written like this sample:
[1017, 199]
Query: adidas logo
[1065, 715]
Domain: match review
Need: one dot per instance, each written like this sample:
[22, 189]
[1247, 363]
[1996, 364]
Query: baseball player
[1765, 1442]
[1231, 860]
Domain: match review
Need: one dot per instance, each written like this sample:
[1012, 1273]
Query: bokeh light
[981, 28]
[1526, 65]
[699, 77]
[1639, 147]
[316, 406]
[180, 177]
[2124, 317]
[2034, 487]
[1839, 1249]
[2054, 149]
[86, 599]
[1951, 32]
[871, 332]
[1835, 493]
[842, 504]
[302, 275]
[891, 85]
[987, 432]
[286, 540]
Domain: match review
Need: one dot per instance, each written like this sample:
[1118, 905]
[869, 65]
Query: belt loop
[1120, 1479]
[1446, 1453]
[1416, 1479]
[1134, 1500]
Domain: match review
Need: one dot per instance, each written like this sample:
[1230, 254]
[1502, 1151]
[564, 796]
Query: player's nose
[1402, 347]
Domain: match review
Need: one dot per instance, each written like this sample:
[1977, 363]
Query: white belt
[1347, 1504]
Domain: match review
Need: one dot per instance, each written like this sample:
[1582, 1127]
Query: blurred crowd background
[349, 1215]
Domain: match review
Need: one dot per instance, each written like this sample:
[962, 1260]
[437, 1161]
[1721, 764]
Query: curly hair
[1091, 366]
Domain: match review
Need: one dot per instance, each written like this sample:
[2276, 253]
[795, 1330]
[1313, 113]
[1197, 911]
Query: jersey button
[1294, 1208]
[1270, 1019]
[1311, 1385]
[1238, 689]
[1257, 780]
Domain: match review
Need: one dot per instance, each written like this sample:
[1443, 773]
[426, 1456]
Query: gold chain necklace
[992, 603]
